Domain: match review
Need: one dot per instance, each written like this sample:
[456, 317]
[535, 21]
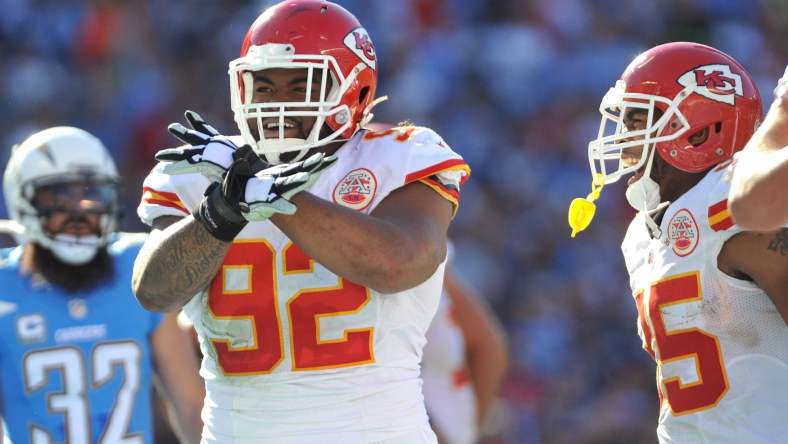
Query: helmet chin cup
[72, 250]
[73, 254]
[643, 194]
[272, 150]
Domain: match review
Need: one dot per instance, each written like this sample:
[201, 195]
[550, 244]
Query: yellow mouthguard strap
[581, 211]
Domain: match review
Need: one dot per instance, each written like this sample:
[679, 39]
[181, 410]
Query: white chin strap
[643, 195]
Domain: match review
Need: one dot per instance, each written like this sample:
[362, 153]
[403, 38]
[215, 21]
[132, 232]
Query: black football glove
[221, 209]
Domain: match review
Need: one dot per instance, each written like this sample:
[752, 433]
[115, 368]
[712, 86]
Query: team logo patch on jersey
[683, 233]
[31, 328]
[357, 189]
[716, 82]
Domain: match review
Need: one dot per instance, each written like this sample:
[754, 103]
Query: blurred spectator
[463, 364]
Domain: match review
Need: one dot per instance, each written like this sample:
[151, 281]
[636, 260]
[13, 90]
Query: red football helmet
[694, 87]
[326, 40]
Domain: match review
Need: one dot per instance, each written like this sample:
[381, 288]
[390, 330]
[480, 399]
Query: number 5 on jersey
[681, 344]
[257, 301]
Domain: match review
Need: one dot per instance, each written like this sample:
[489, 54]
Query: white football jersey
[720, 345]
[448, 393]
[294, 353]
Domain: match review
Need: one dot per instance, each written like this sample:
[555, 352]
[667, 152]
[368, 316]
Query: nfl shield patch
[683, 233]
[357, 189]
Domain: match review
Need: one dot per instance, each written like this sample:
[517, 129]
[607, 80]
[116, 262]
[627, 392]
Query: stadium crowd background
[512, 85]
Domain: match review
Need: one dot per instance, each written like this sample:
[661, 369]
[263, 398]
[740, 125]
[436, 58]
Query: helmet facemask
[78, 199]
[43, 177]
[325, 106]
[618, 150]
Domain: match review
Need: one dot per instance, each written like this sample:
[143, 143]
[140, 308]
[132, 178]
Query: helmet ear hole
[699, 137]
[363, 94]
[718, 127]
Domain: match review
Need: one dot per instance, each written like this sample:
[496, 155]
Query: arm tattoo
[780, 242]
[182, 263]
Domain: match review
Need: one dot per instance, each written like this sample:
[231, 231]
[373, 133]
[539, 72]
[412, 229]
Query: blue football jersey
[75, 368]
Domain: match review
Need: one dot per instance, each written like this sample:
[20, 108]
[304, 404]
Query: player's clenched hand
[269, 191]
[221, 210]
[208, 152]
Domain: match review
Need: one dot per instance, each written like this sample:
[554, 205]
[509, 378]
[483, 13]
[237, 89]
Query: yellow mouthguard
[581, 211]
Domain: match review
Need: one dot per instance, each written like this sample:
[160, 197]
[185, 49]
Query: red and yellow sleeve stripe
[449, 192]
[447, 165]
[163, 198]
[720, 216]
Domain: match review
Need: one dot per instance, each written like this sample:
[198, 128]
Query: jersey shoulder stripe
[457, 164]
[447, 191]
[163, 198]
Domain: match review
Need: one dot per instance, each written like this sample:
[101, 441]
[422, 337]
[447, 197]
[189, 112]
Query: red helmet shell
[721, 96]
[317, 27]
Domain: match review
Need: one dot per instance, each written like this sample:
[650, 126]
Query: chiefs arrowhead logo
[359, 42]
[716, 82]
[365, 44]
[683, 233]
[357, 189]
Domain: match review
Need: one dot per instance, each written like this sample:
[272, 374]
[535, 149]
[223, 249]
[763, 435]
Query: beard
[72, 278]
